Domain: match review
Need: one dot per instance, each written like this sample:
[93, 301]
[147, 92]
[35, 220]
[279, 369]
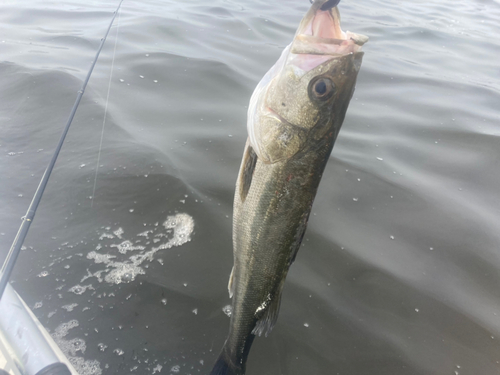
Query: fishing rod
[15, 249]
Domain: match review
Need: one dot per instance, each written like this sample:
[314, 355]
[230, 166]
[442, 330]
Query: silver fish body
[294, 117]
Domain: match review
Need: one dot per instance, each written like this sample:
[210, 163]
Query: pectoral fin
[246, 174]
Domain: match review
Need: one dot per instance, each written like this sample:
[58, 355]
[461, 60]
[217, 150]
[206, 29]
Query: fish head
[305, 95]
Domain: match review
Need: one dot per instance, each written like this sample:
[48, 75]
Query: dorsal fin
[248, 166]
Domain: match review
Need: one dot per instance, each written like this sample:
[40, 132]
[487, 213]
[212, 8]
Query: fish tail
[232, 361]
[224, 366]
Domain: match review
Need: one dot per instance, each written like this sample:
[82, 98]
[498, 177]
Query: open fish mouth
[320, 33]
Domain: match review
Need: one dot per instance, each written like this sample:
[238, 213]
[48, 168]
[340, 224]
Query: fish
[294, 117]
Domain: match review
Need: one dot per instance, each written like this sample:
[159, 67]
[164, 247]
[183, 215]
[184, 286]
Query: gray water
[399, 269]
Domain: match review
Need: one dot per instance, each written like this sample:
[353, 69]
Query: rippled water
[399, 271]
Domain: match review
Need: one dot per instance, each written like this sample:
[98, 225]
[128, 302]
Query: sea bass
[294, 116]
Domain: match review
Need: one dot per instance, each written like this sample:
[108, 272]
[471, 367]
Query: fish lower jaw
[313, 45]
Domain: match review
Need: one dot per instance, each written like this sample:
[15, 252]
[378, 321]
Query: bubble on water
[76, 345]
[80, 289]
[43, 274]
[127, 246]
[118, 351]
[183, 226]
[228, 310]
[38, 305]
[69, 308]
[144, 234]
[62, 329]
[178, 228]
[72, 347]
[164, 301]
[86, 367]
[100, 258]
[106, 235]
[118, 233]
[123, 273]
[175, 369]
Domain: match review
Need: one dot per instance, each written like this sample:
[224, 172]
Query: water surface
[398, 272]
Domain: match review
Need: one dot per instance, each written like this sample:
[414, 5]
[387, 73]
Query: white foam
[100, 258]
[71, 347]
[178, 228]
[118, 233]
[123, 273]
[70, 307]
[157, 368]
[126, 246]
[83, 367]
[106, 235]
[80, 289]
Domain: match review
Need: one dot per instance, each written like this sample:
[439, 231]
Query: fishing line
[11, 258]
[105, 110]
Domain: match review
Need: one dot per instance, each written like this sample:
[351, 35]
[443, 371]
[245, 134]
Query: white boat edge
[25, 345]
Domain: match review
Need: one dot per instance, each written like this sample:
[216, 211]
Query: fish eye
[322, 88]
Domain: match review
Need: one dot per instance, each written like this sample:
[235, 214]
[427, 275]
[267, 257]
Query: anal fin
[267, 312]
